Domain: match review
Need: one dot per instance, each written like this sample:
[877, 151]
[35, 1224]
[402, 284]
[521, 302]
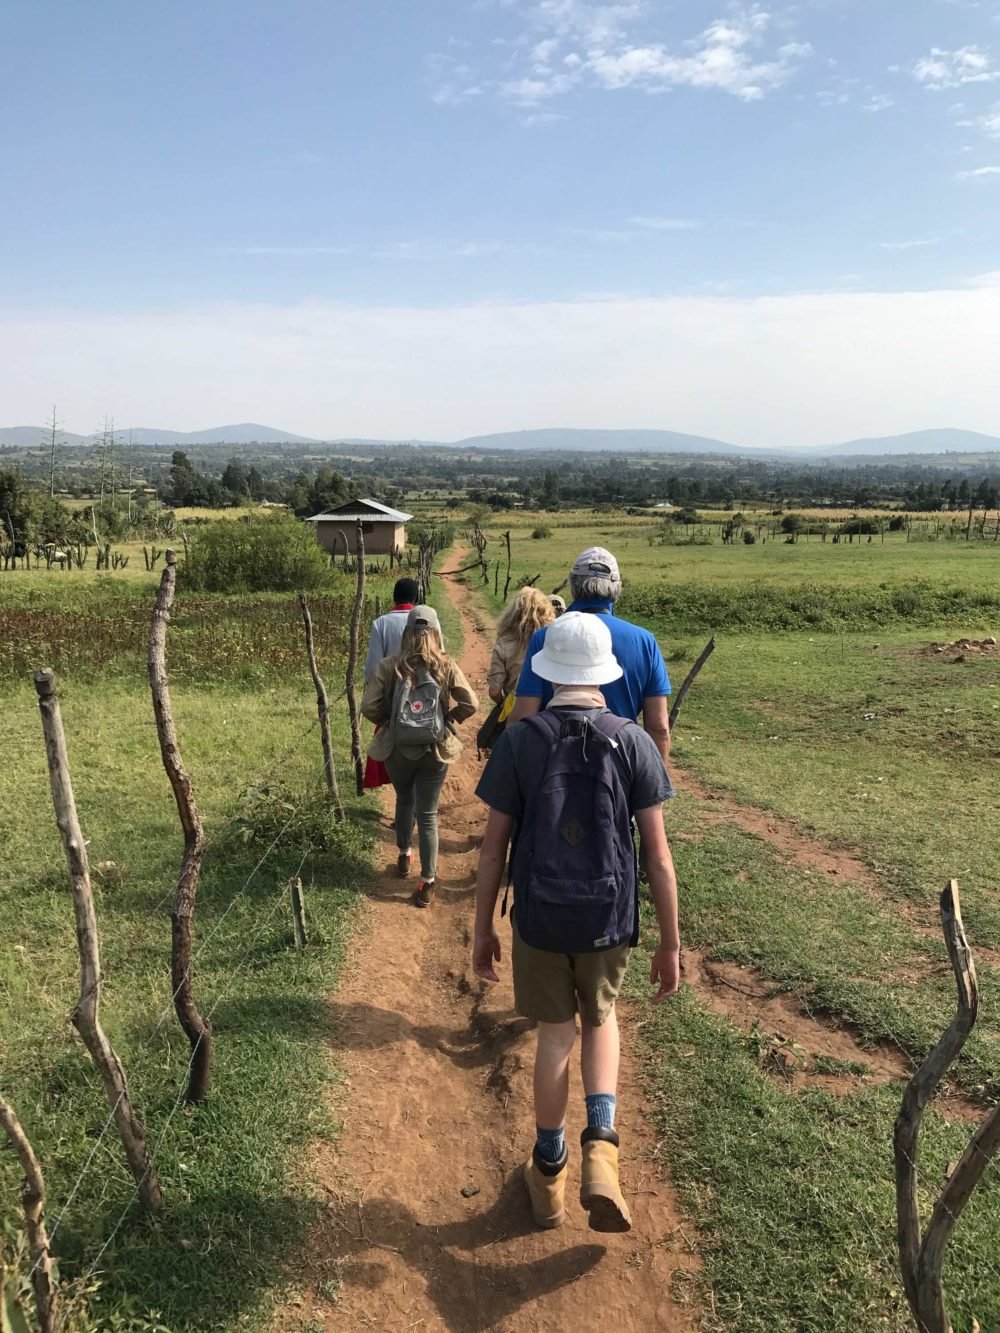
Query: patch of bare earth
[425, 1223]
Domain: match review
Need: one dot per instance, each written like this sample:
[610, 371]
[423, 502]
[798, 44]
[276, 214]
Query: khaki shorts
[551, 987]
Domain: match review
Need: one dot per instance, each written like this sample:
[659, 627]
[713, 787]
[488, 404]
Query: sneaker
[546, 1186]
[403, 863]
[424, 895]
[600, 1192]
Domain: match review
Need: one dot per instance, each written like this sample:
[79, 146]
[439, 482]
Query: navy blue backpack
[573, 864]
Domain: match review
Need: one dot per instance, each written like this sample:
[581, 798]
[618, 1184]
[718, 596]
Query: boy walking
[565, 784]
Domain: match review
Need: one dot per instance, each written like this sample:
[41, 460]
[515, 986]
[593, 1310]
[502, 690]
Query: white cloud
[450, 81]
[988, 123]
[953, 69]
[836, 365]
[569, 44]
[879, 102]
[977, 173]
[722, 57]
[430, 250]
[911, 245]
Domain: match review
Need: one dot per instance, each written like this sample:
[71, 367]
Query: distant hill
[916, 443]
[247, 432]
[604, 441]
[947, 440]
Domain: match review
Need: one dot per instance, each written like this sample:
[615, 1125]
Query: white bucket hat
[577, 651]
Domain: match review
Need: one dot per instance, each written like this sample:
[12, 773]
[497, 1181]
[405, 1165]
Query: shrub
[273, 554]
[540, 534]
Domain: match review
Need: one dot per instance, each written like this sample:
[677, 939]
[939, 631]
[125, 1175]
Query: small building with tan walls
[382, 529]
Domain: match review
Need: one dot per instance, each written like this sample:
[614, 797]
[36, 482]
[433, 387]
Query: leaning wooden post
[86, 1014]
[323, 708]
[352, 664]
[298, 912]
[689, 679]
[33, 1203]
[921, 1257]
[196, 1029]
[506, 586]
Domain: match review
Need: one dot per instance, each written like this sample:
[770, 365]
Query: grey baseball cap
[595, 560]
[423, 617]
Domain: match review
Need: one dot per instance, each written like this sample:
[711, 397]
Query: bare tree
[196, 1029]
[921, 1256]
[323, 708]
[33, 1204]
[130, 447]
[52, 434]
[86, 1016]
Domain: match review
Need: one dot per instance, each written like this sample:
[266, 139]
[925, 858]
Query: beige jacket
[505, 664]
[459, 702]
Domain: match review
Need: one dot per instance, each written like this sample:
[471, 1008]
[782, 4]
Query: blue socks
[550, 1145]
[601, 1110]
[601, 1107]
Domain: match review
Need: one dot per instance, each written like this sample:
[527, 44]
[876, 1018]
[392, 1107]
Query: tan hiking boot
[600, 1192]
[546, 1186]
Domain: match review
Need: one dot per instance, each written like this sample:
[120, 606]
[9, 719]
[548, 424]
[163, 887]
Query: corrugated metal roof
[378, 513]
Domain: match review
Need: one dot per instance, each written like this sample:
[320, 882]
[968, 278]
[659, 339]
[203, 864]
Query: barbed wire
[179, 1099]
[167, 1010]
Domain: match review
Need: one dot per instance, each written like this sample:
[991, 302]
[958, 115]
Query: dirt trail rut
[426, 1224]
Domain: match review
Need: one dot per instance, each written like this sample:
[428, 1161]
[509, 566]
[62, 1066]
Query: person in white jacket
[387, 630]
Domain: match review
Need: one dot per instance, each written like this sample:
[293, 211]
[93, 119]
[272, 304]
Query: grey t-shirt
[516, 767]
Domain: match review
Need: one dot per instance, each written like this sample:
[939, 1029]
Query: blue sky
[437, 218]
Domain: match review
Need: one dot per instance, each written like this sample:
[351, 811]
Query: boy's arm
[665, 968]
[492, 859]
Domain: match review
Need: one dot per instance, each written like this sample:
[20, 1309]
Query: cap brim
[558, 673]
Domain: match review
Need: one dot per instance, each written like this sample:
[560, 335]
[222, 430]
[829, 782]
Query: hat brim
[559, 673]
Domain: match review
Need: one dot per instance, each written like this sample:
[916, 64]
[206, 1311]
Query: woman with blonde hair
[414, 698]
[530, 610]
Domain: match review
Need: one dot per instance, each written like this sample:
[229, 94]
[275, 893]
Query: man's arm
[656, 721]
[492, 859]
[665, 968]
[375, 653]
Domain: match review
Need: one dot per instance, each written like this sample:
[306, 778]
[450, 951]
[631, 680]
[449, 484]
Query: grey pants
[418, 784]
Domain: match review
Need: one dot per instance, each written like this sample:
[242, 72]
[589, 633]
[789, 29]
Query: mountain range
[946, 440]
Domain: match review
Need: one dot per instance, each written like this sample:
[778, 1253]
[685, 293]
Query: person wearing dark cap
[644, 688]
[414, 698]
[387, 630]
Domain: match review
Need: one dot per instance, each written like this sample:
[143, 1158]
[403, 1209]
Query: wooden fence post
[298, 912]
[86, 1014]
[689, 679]
[352, 664]
[921, 1257]
[506, 586]
[323, 708]
[33, 1203]
[197, 1031]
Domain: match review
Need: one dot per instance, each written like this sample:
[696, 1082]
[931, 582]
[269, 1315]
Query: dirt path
[427, 1225]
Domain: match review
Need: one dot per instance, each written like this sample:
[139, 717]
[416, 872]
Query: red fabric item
[376, 774]
[403, 606]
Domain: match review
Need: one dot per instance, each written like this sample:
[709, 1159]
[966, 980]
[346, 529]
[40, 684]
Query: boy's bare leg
[552, 1054]
[599, 1056]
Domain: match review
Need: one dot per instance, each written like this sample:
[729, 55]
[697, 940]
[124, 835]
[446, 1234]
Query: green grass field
[245, 712]
[872, 743]
[824, 703]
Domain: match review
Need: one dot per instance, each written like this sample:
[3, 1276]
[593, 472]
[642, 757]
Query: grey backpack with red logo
[417, 711]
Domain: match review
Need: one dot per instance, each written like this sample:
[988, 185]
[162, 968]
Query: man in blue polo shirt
[644, 688]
